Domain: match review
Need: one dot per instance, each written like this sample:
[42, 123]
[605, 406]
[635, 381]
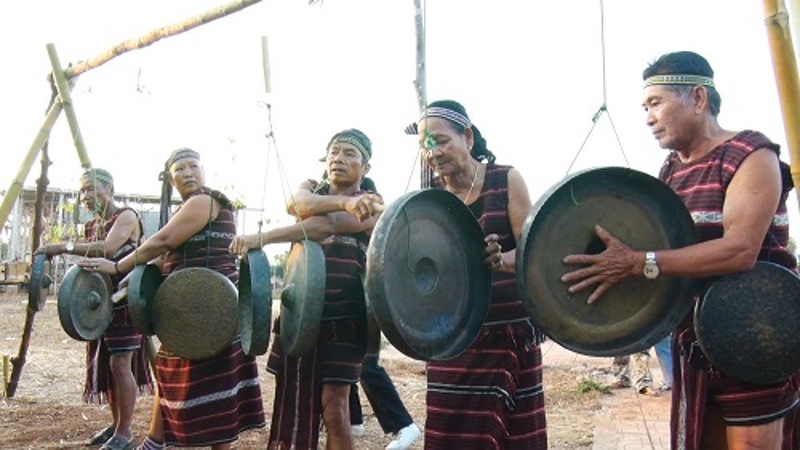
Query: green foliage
[279, 264]
[587, 385]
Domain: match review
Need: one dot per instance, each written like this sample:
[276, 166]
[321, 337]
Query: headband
[680, 79]
[95, 174]
[347, 138]
[182, 153]
[443, 113]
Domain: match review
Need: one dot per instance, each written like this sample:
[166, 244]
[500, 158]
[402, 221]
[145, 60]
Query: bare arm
[519, 206]
[192, 217]
[750, 203]
[304, 203]
[125, 228]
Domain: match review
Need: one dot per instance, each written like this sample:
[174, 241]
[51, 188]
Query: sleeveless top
[491, 211]
[209, 246]
[95, 230]
[345, 264]
[702, 185]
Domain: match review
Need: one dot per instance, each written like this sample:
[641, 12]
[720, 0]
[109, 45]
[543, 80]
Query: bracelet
[116, 268]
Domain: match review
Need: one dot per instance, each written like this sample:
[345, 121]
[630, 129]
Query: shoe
[650, 391]
[117, 443]
[101, 436]
[405, 437]
[358, 429]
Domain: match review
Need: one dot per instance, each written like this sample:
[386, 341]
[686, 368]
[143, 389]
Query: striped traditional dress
[337, 356]
[210, 401]
[702, 185]
[120, 336]
[491, 396]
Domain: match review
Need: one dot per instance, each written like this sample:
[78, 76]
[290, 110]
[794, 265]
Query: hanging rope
[604, 106]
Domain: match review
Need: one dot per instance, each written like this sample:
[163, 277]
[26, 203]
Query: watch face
[650, 270]
[70, 246]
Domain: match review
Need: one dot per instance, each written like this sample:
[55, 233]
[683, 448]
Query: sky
[531, 75]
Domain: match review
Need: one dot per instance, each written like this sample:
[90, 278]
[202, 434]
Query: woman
[196, 405]
[491, 396]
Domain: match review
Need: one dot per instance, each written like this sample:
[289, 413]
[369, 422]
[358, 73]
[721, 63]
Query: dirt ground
[46, 411]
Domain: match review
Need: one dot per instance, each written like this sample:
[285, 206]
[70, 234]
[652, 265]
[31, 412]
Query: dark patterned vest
[345, 264]
[702, 185]
[208, 247]
[95, 230]
[491, 210]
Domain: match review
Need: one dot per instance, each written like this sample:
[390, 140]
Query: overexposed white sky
[531, 75]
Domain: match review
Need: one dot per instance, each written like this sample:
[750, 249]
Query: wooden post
[784, 64]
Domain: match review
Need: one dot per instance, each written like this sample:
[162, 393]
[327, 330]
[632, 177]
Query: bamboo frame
[786, 76]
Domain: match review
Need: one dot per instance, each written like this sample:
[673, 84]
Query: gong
[427, 281]
[144, 281]
[636, 313]
[747, 324]
[255, 302]
[40, 282]
[85, 308]
[195, 313]
[302, 298]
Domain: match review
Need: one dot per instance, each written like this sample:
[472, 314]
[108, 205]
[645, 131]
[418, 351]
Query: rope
[604, 106]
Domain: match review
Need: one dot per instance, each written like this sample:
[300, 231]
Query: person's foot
[405, 437]
[647, 390]
[101, 436]
[358, 429]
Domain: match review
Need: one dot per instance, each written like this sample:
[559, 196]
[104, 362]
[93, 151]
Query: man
[340, 214]
[735, 187]
[116, 362]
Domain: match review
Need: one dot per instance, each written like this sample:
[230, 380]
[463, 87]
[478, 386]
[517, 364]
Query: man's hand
[240, 245]
[616, 263]
[364, 206]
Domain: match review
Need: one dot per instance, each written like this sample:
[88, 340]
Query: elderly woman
[491, 396]
[208, 402]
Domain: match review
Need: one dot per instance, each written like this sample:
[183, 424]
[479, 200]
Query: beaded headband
[679, 79]
[366, 153]
[443, 113]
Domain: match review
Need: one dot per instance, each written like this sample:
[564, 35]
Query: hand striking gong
[636, 208]
[427, 282]
[40, 282]
[195, 312]
[302, 298]
[747, 324]
[85, 308]
[255, 302]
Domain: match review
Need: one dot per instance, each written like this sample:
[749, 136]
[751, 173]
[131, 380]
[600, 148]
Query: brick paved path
[628, 421]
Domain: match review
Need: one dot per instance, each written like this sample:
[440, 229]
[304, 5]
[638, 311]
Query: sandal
[117, 443]
[101, 436]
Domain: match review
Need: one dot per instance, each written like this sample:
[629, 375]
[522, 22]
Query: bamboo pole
[16, 184]
[786, 76]
[158, 34]
[420, 84]
[66, 100]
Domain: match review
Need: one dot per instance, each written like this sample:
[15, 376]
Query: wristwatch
[69, 246]
[651, 269]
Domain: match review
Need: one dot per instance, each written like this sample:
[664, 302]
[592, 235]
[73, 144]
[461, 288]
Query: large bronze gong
[195, 313]
[40, 282]
[144, 281]
[427, 282]
[85, 308]
[302, 298]
[747, 324]
[255, 302]
[634, 207]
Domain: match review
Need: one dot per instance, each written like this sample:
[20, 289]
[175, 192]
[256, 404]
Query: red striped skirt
[491, 396]
[297, 408]
[120, 337]
[210, 401]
